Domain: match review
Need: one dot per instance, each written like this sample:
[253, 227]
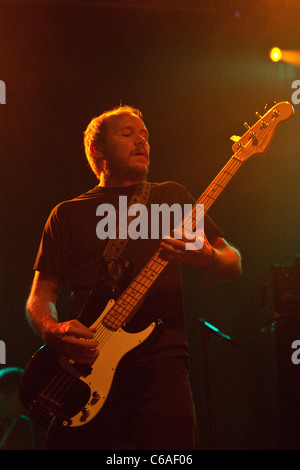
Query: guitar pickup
[74, 368]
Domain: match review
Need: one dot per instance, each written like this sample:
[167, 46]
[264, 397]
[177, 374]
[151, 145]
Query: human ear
[96, 152]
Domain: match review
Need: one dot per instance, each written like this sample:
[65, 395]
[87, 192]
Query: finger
[172, 242]
[172, 253]
[182, 243]
[185, 244]
[77, 329]
[81, 342]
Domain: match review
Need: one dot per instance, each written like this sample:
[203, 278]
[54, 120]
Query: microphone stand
[207, 330]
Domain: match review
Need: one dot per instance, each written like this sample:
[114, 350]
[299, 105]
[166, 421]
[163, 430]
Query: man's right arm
[70, 338]
[41, 305]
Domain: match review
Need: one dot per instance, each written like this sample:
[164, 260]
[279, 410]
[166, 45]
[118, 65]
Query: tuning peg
[258, 115]
[270, 105]
[246, 125]
[235, 138]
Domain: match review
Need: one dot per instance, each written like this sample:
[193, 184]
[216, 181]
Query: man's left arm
[218, 258]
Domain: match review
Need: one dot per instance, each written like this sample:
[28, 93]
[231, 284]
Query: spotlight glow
[288, 56]
[275, 54]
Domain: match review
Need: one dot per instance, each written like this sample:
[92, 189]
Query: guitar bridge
[46, 407]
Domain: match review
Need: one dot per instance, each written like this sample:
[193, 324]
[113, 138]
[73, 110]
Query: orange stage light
[275, 54]
[291, 57]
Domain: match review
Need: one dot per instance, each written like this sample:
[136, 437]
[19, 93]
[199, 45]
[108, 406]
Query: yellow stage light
[288, 56]
[275, 54]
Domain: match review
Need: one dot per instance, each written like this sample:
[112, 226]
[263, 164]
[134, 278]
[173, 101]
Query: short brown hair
[96, 131]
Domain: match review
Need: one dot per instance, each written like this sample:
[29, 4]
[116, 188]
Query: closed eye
[129, 131]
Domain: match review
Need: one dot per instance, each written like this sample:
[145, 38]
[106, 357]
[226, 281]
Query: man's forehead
[122, 120]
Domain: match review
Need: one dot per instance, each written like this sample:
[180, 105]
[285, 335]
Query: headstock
[258, 137]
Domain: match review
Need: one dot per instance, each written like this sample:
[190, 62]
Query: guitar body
[54, 386]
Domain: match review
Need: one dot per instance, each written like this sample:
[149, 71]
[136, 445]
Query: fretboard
[213, 191]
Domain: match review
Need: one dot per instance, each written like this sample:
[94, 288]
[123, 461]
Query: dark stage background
[197, 70]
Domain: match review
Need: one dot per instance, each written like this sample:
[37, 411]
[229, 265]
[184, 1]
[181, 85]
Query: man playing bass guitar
[149, 405]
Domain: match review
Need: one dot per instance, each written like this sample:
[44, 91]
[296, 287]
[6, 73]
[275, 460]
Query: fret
[220, 185]
[208, 195]
[112, 323]
[238, 159]
[132, 300]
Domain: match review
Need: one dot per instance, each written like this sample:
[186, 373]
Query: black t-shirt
[71, 251]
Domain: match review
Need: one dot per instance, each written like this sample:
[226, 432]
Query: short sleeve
[53, 256]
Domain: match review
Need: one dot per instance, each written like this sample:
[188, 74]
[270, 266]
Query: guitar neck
[213, 191]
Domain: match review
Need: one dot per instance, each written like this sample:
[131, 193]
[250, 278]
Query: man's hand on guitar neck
[219, 258]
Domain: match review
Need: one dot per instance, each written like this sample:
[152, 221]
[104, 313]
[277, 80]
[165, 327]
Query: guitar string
[54, 387]
[59, 384]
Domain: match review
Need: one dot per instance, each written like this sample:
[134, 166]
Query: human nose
[141, 140]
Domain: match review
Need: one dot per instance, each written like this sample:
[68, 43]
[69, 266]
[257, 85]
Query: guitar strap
[115, 246]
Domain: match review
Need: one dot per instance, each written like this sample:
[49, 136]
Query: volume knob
[85, 414]
[95, 398]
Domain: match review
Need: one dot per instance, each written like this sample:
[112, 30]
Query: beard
[119, 170]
